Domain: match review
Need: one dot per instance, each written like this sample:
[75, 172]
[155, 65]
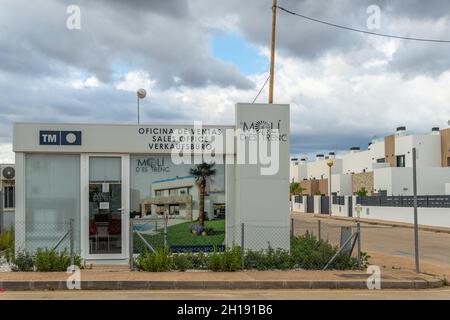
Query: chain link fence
[310, 244]
[338, 243]
[153, 233]
[388, 245]
[29, 238]
[263, 247]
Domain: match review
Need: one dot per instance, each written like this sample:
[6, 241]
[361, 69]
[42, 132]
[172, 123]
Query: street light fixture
[141, 93]
[330, 163]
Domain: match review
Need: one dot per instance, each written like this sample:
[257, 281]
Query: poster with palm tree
[202, 173]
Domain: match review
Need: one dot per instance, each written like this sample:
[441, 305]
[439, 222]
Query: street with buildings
[384, 168]
[389, 246]
[140, 152]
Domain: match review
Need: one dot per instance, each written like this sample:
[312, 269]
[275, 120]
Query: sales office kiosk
[64, 171]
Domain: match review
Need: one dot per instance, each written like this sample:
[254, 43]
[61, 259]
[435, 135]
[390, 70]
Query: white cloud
[91, 82]
[134, 80]
[343, 88]
[6, 154]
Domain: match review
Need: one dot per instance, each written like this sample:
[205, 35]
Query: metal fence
[175, 234]
[439, 201]
[58, 236]
[343, 236]
[340, 200]
[256, 241]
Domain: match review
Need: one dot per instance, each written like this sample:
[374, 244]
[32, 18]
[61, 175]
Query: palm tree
[296, 189]
[201, 173]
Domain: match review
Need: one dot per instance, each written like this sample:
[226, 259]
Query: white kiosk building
[96, 174]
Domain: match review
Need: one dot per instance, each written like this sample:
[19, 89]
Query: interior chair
[93, 235]
[114, 229]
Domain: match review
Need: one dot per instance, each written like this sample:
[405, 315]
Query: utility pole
[272, 50]
[416, 223]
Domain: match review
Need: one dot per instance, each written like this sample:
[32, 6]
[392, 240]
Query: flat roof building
[385, 166]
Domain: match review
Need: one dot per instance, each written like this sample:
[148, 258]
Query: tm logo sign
[60, 138]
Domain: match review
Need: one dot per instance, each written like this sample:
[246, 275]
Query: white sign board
[262, 188]
[111, 138]
[104, 206]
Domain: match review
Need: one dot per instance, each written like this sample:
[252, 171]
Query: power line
[361, 31]
[265, 82]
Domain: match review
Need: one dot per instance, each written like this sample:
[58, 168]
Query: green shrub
[362, 192]
[22, 262]
[307, 252]
[215, 261]
[198, 260]
[182, 262]
[157, 261]
[269, 259]
[190, 260]
[228, 260]
[47, 260]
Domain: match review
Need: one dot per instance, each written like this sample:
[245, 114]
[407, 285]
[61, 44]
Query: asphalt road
[391, 247]
[435, 294]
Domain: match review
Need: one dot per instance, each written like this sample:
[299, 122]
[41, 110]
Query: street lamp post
[141, 93]
[330, 163]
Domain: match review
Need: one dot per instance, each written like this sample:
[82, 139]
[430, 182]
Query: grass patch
[180, 235]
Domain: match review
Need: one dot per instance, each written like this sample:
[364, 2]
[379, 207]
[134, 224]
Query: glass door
[106, 214]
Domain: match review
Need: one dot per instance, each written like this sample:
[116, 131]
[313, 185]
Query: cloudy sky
[197, 58]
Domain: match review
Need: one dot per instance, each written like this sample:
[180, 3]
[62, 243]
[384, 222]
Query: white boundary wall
[437, 217]
[298, 207]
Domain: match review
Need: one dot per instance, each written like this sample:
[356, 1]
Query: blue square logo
[50, 138]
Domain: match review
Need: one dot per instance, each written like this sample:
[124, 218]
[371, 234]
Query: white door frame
[84, 219]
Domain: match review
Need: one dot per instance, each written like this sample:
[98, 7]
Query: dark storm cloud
[312, 143]
[421, 58]
[309, 40]
[155, 36]
[174, 8]
[49, 101]
[418, 9]
[171, 39]
[295, 36]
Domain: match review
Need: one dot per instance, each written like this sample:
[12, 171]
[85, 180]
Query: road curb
[195, 285]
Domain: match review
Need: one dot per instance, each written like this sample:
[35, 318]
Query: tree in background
[362, 192]
[296, 189]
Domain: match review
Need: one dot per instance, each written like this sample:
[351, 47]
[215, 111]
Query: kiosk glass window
[52, 198]
[105, 205]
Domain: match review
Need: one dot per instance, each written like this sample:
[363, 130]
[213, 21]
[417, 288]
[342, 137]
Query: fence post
[358, 230]
[292, 227]
[416, 226]
[319, 229]
[166, 218]
[131, 244]
[72, 257]
[1, 211]
[242, 244]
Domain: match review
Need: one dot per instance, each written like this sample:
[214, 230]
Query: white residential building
[385, 167]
